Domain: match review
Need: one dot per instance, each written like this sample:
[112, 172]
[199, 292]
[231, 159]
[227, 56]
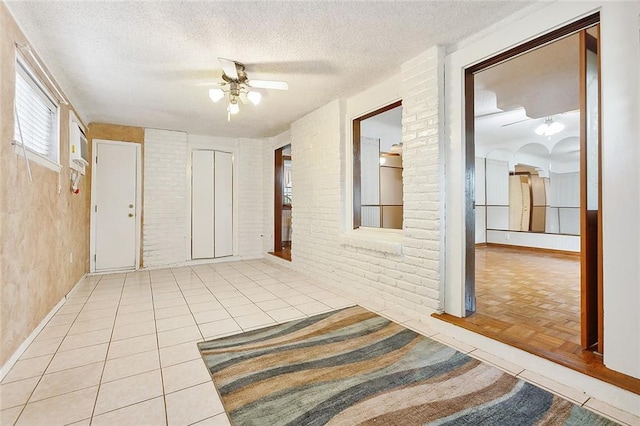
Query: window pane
[34, 123]
[378, 189]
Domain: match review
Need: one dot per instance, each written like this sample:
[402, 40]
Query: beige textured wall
[39, 227]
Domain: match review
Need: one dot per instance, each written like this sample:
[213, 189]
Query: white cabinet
[211, 204]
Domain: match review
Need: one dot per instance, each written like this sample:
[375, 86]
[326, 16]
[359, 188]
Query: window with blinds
[36, 115]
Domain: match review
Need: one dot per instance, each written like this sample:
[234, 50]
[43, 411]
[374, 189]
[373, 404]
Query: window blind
[36, 113]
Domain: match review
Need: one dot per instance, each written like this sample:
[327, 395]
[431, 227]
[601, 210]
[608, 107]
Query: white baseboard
[23, 347]
[181, 264]
[198, 262]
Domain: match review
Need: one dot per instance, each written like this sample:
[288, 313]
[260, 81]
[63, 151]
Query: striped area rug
[354, 367]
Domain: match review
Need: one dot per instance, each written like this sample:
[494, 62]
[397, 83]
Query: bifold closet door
[223, 204]
[202, 205]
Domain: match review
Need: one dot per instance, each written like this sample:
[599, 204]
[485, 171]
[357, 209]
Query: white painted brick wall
[423, 94]
[316, 178]
[250, 197]
[268, 192]
[409, 282]
[164, 236]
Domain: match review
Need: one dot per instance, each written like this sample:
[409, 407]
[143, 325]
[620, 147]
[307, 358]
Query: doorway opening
[283, 203]
[533, 219]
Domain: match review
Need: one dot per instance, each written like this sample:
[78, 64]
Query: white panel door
[202, 201]
[223, 203]
[115, 209]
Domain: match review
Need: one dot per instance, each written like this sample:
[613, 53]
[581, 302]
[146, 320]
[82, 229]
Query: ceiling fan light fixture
[254, 97]
[233, 107]
[216, 94]
[238, 87]
[549, 127]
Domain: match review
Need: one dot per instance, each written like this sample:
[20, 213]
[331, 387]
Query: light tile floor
[121, 350]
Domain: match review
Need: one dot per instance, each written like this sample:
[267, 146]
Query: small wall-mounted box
[78, 146]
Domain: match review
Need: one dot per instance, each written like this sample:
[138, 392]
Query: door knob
[130, 214]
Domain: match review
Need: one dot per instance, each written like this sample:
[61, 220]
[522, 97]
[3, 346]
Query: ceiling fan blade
[268, 84]
[489, 114]
[515, 122]
[229, 68]
[209, 83]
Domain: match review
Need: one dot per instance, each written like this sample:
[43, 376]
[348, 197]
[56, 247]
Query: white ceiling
[544, 81]
[513, 130]
[140, 63]
[514, 97]
[391, 118]
[386, 126]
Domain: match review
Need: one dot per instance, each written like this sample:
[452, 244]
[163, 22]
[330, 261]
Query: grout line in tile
[193, 386]
[604, 414]
[549, 389]
[446, 340]
[120, 408]
[164, 396]
[104, 365]
[66, 392]
[57, 349]
[480, 358]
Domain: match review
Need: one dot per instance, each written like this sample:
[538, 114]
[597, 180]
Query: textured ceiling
[514, 97]
[544, 81]
[140, 63]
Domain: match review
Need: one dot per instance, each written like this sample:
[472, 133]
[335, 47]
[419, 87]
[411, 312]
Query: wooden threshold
[573, 357]
[285, 253]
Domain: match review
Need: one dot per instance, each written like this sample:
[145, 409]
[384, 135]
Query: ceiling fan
[238, 86]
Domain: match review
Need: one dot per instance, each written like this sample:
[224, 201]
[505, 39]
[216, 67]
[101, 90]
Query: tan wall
[39, 227]
[114, 132]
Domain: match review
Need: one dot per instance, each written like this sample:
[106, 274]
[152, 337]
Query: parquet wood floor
[535, 295]
[531, 300]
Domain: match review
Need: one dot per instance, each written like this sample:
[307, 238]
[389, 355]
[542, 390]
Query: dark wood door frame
[590, 220]
[469, 187]
[592, 301]
[278, 185]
